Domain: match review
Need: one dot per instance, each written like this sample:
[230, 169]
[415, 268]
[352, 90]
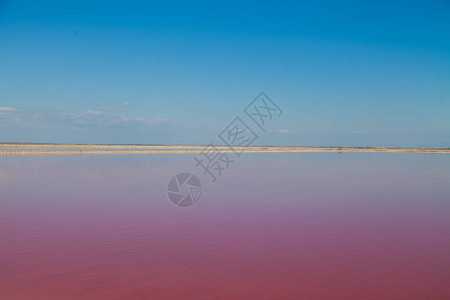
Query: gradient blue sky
[356, 73]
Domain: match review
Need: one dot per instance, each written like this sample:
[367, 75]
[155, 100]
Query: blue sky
[349, 73]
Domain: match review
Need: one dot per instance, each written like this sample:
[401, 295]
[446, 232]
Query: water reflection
[276, 226]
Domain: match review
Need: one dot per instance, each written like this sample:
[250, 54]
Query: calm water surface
[275, 226]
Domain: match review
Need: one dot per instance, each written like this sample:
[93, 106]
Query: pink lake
[274, 226]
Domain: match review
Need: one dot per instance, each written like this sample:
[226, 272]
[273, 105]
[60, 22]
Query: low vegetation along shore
[19, 149]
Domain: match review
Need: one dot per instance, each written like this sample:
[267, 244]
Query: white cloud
[93, 112]
[131, 119]
[115, 107]
[141, 120]
[79, 119]
[8, 109]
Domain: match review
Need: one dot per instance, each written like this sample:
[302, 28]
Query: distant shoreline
[30, 149]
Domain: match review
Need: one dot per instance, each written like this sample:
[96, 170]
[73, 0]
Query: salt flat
[23, 149]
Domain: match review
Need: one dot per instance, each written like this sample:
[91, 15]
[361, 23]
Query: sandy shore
[16, 149]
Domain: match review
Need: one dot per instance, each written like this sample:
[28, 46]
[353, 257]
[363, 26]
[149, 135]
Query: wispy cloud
[115, 107]
[7, 112]
[8, 109]
[93, 112]
[140, 120]
[90, 124]
[91, 118]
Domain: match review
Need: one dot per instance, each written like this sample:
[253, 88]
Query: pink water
[276, 226]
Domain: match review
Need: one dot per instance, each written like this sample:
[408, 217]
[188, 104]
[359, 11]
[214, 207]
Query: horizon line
[37, 149]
